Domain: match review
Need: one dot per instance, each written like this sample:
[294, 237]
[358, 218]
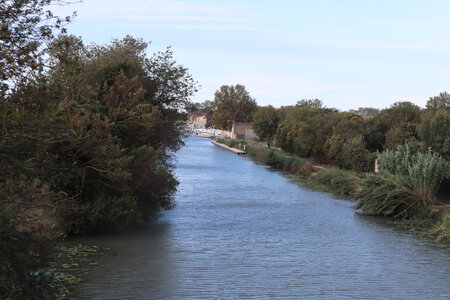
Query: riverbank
[343, 183]
[243, 230]
[232, 149]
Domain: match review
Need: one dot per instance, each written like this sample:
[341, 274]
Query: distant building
[197, 120]
[242, 130]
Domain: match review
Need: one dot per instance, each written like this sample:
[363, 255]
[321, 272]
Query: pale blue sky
[346, 53]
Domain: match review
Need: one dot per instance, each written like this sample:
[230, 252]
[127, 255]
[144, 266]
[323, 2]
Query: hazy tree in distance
[311, 103]
[365, 111]
[441, 101]
[266, 123]
[232, 103]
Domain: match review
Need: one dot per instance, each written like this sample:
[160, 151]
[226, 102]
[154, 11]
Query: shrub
[389, 195]
[405, 186]
[338, 180]
[275, 160]
[424, 171]
[305, 170]
[395, 162]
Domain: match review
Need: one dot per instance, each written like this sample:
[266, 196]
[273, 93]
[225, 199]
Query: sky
[348, 54]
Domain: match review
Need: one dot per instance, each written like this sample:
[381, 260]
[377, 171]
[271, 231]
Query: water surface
[243, 231]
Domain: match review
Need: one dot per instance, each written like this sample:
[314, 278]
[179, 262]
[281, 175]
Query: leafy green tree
[232, 104]
[365, 111]
[306, 128]
[103, 127]
[438, 102]
[434, 131]
[311, 103]
[25, 243]
[265, 123]
[400, 134]
[24, 28]
[397, 125]
[123, 129]
[346, 147]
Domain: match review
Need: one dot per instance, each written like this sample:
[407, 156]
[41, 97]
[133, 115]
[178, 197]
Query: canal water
[243, 231]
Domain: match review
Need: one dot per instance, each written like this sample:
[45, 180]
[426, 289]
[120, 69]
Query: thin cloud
[122, 9]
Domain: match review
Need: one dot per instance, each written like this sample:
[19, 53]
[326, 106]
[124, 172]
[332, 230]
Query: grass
[344, 182]
[441, 229]
[332, 180]
[338, 181]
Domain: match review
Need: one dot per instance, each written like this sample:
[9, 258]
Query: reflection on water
[242, 231]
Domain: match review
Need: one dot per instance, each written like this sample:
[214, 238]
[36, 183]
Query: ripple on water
[241, 230]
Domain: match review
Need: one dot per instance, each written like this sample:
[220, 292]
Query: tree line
[411, 144]
[350, 140]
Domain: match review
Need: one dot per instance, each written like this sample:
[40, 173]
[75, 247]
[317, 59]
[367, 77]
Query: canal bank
[241, 230]
[342, 182]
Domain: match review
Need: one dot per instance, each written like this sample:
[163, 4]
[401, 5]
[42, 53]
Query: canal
[243, 231]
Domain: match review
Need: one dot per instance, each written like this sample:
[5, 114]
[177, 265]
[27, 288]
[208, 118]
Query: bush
[275, 160]
[338, 180]
[24, 254]
[424, 171]
[405, 186]
[389, 195]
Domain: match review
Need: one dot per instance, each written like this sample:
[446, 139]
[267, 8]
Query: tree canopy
[437, 102]
[87, 143]
[265, 123]
[24, 27]
[232, 104]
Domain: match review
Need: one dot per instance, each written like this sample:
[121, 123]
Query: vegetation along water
[242, 230]
[88, 140]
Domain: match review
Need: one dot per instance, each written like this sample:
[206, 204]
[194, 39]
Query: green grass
[339, 181]
[273, 158]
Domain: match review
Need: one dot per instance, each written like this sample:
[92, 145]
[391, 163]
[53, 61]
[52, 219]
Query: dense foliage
[306, 128]
[405, 186]
[86, 138]
[265, 123]
[350, 140]
[232, 104]
[103, 123]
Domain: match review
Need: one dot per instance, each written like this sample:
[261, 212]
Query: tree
[398, 124]
[232, 104]
[265, 123]
[174, 85]
[312, 103]
[434, 131]
[122, 130]
[306, 128]
[25, 243]
[366, 111]
[346, 147]
[437, 102]
[25, 25]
